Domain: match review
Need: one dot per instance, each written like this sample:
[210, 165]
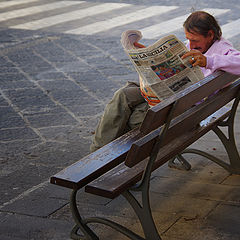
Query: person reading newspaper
[207, 49]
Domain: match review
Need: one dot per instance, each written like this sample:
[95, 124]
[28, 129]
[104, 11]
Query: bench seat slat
[95, 164]
[114, 182]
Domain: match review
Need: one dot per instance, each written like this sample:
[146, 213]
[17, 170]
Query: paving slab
[20, 227]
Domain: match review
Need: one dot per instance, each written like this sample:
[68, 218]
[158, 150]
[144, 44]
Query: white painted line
[6, 4]
[121, 20]
[36, 9]
[70, 16]
[231, 29]
[174, 24]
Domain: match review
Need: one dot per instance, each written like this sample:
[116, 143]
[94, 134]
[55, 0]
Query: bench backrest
[186, 114]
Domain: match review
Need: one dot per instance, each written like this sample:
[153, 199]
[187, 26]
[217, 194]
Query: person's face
[198, 41]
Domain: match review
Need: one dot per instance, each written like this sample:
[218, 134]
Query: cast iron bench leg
[80, 225]
[87, 233]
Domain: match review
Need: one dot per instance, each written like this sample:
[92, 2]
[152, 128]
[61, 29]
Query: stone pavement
[53, 89]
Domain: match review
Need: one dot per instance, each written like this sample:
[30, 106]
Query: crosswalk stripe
[154, 31]
[174, 24]
[14, 3]
[36, 9]
[121, 20]
[230, 30]
[74, 15]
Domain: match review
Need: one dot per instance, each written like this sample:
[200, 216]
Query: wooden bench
[124, 166]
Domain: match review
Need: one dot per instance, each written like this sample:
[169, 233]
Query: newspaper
[161, 69]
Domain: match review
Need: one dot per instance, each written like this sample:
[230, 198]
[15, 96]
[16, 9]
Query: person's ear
[211, 34]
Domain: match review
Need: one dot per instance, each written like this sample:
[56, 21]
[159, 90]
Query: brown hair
[201, 22]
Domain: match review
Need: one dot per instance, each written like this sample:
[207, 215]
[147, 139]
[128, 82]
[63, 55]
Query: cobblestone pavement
[53, 88]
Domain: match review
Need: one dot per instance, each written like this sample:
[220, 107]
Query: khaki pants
[124, 112]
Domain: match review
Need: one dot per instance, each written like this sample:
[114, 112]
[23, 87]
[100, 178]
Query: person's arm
[229, 62]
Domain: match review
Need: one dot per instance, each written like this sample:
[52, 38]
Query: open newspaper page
[160, 66]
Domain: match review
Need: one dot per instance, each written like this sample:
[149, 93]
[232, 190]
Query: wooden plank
[156, 116]
[117, 180]
[142, 147]
[95, 164]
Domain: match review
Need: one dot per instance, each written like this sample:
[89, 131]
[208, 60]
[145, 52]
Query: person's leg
[138, 115]
[114, 121]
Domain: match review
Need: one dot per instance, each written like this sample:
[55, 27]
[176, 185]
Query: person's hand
[197, 58]
[138, 45]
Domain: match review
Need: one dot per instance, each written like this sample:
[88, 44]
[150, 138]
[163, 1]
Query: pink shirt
[222, 56]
